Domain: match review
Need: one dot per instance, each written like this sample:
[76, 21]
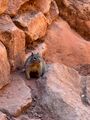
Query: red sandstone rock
[13, 39]
[53, 12]
[66, 46]
[3, 5]
[76, 12]
[16, 96]
[2, 116]
[4, 67]
[14, 6]
[59, 94]
[42, 5]
[33, 23]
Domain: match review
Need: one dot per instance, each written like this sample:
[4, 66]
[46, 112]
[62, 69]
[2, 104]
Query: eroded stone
[4, 67]
[3, 5]
[2, 116]
[16, 96]
[59, 90]
[42, 5]
[14, 6]
[53, 12]
[65, 45]
[14, 40]
[33, 23]
[76, 12]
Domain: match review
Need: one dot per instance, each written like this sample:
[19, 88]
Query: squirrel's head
[35, 58]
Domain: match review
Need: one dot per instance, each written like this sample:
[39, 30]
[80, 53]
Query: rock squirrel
[34, 66]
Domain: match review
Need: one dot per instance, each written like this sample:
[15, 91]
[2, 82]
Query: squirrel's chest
[35, 67]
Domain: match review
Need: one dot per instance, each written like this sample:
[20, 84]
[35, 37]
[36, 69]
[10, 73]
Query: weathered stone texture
[65, 45]
[33, 23]
[3, 5]
[16, 96]
[42, 5]
[59, 94]
[3, 116]
[4, 67]
[13, 39]
[14, 6]
[53, 12]
[76, 12]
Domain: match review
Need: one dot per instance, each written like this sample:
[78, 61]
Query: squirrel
[34, 66]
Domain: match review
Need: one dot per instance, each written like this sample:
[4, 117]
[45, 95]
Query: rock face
[3, 5]
[42, 5]
[13, 39]
[66, 46]
[59, 94]
[53, 12]
[33, 23]
[77, 13]
[2, 116]
[15, 97]
[14, 6]
[4, 67]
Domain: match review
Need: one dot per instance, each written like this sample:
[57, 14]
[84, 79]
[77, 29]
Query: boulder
[3, 5]
[16, 96]
[14, 41]
[65, 46]
[14, 6]
[33, 23]
[60, 93]
[77, 13]
[4, 67]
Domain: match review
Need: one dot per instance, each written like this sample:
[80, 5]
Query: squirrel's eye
[34, 58]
